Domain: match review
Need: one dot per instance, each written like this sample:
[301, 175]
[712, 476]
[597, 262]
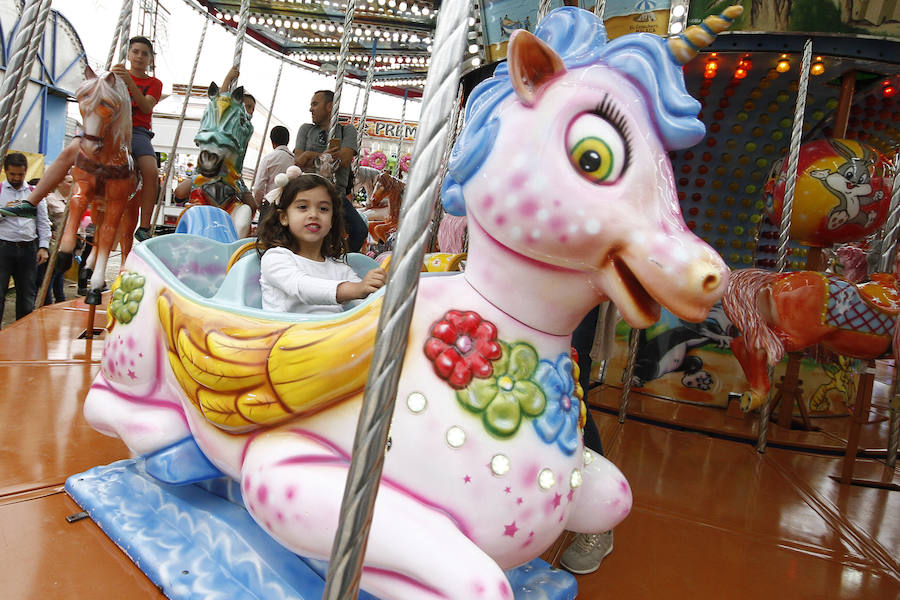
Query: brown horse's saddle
[881, 293]
[103, 172]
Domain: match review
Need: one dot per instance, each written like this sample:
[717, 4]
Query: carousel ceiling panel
[398, 32]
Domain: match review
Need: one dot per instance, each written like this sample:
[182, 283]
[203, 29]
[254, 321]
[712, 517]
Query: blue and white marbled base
[197, 541]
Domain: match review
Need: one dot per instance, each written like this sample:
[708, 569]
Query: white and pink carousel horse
[105, 176]
[486, 464]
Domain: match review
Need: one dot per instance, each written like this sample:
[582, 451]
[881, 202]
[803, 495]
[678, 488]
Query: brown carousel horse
[105, 176]
[390, 189]
[786, 312]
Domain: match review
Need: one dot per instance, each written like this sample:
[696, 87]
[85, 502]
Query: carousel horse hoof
[749, 401]
[84, 278]
[63, 262]
[93, 297]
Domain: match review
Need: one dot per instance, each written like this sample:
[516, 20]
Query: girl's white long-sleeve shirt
[292, 283]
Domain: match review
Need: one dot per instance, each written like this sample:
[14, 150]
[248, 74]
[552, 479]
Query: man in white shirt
[272, 164]
[23, 241]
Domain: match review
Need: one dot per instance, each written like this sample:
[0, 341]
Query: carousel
[719, 178]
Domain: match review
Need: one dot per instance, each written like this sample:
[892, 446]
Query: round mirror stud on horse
[485, 462]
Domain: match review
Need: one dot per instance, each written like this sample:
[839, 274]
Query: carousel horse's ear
[532, 65]
[89, 73]
[110, 78]
[238, 94]
[213, 90]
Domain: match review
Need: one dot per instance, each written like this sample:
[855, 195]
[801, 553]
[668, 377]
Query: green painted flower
[503, 398]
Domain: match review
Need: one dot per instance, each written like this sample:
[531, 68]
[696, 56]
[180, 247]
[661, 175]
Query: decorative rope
[123, 23]
[239, 39]
[15, 68]
[361, 128]
[170, 160]
[599, 8]
[629, 374]
[37, 35]
[784, 233]
[341, 68]
[892, 227]
[543, 9]
[400, 295]
[268, 120]
[402, 132]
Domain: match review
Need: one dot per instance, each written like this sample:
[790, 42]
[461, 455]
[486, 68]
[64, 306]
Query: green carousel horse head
[224, 132]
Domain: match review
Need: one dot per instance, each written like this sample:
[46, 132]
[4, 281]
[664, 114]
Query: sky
[176, 47]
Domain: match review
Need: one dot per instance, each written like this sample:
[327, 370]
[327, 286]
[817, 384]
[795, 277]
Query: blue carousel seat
[209, 221]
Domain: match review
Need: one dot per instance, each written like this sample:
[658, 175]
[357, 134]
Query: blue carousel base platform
[197, 541]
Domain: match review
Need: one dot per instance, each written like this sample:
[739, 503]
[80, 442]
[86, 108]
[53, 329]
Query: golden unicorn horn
[687, 44]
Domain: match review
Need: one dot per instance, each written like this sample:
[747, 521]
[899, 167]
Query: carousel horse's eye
[597, 148]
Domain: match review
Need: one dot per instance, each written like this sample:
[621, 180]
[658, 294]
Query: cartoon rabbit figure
[850, 183]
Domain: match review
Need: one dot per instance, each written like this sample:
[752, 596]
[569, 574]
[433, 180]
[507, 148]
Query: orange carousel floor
[712, 517]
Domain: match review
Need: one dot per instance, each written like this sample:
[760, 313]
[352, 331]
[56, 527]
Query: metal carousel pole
[393, 326]
[886, 265]
[341, 69]
[361, 128]
[124, 22]
[15, 69]
[784, 233]
[170, 160]
[268, 120]
[37, 36]
[239, 37]
[402, 131]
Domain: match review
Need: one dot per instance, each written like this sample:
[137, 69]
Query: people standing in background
[272, 164]
[23, 240]
[312, 141]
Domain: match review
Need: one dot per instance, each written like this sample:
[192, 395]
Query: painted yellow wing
[243, 372]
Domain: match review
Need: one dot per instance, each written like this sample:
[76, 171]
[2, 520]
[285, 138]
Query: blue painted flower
[559, 422]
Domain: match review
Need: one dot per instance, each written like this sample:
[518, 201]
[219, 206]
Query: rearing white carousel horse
[562, 170]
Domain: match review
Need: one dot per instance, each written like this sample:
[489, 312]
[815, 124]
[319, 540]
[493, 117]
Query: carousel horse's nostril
[711, 282]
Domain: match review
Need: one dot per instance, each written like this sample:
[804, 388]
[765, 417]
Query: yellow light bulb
[783, 66]
[817, 68]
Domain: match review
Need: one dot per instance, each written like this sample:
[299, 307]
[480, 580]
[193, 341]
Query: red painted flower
[462, 345]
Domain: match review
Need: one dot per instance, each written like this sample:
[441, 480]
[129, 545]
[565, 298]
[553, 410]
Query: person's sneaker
[20, 209]
[142, 234]
[586, 552]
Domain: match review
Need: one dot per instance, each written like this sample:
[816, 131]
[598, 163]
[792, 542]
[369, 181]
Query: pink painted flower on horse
[462, 345]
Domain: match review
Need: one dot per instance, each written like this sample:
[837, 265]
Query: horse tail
[740, 304]
[451, 234]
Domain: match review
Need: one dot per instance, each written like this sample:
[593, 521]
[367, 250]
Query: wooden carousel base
[829, 435]
[712, 518]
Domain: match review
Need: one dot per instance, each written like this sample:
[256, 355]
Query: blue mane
[579, 37]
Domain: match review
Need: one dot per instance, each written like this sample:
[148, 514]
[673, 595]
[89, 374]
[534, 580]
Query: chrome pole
[393, 325]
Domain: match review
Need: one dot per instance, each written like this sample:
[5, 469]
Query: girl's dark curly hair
[272, 234]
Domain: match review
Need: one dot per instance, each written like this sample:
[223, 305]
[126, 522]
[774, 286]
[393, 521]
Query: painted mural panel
[692, 362]
[852, 17]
